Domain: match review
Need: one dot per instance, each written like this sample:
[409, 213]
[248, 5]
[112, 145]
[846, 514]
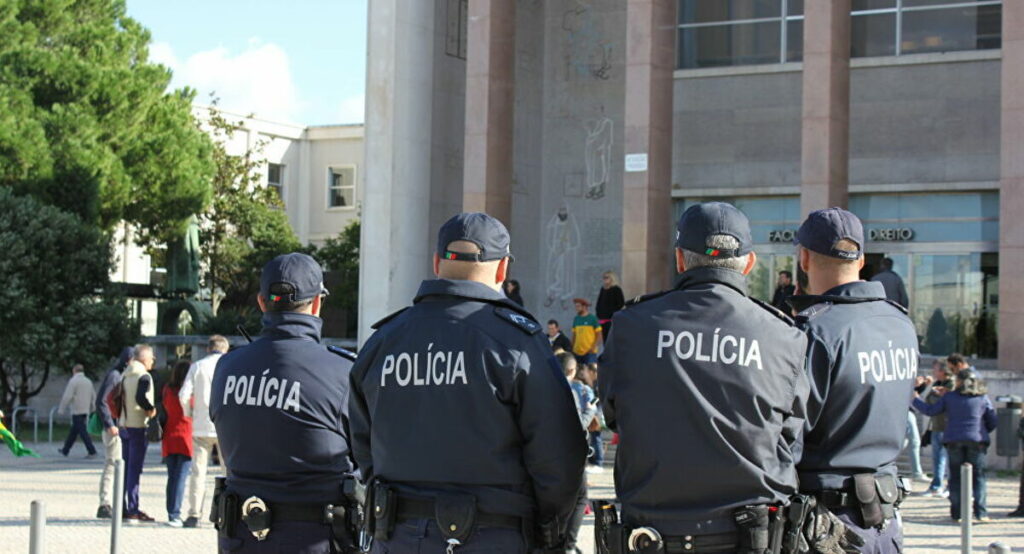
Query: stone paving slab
[69, 487]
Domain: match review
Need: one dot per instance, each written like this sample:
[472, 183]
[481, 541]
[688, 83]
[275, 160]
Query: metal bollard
[998, 548]
[117, 508]
[53, 411]
[966, 506]
[36, 541]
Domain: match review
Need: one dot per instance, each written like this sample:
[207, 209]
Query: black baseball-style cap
[823, 229]
[700, 221]
[299, 272]
[479, 228]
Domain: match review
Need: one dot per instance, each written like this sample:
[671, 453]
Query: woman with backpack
[177, 443]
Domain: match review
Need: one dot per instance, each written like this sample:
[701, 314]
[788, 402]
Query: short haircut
[693, 260]
[568, 362]
[956, 359]
[787, 273]
[553, 322]
[845, 245]
[886, 263]
[284, 290]
[217, 343]
[77, 368]
[139, 349]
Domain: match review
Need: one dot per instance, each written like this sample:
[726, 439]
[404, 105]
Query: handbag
[154, 431]
[94, 426]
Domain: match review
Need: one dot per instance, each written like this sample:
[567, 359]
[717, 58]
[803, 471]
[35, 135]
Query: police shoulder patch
[773, 310]
[381, 323]
[646, 297]
[339, 351]
[524, 323]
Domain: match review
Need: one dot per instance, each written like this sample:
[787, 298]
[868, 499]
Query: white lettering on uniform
[269, 392]
[229, 387]
[726, 349]
[439, 368]
[890, 365]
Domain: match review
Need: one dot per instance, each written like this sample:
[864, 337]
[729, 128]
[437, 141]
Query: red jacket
[178, 429]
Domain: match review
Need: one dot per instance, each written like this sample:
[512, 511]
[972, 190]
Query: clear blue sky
[300, 61]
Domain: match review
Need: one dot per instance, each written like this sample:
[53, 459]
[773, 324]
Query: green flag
[14, 444]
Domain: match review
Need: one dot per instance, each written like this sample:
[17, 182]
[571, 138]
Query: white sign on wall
[636, 163]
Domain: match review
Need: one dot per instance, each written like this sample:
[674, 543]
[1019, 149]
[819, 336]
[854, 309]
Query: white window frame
[899, 9]
[280, 184]
[330, 187]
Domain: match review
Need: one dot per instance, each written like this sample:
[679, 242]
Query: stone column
[490, 80]
[1011, 191]
[826, 105]
[647, 196]
[395, 247]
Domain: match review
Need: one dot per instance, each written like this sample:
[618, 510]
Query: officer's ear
[437, 265]
[751, 262]
[318, 302]
[805, 260]
[262, 303]
[680, 261]
[502, 273]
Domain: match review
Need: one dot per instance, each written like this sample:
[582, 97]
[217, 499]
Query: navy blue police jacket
[280, 406]
[862, 358]
[461, 392]
[706, 389]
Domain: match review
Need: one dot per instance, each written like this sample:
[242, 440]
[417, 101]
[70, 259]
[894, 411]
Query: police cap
[823, 229]
[479, 228]
[300, 274]
[701, 221]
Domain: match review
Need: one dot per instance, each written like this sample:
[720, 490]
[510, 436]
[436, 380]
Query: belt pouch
[455, 515]
[385, 508]
[889, 494]
[867, 496]
[228, 514]
[752, 522]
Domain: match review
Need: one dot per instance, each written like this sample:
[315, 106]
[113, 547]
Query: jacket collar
[469, 290]
[289, 325]
[704, 275]
[856, 291]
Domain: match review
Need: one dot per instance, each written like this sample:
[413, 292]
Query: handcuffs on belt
[257, 517]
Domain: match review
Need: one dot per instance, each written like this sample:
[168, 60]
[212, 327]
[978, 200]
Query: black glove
[826, 534]
[550, 538]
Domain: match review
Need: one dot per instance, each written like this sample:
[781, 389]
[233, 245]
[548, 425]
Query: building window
[717, 33]
[341, 187]
[896, 27]
[275, 178]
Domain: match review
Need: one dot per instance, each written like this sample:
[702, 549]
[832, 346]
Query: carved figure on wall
[562, 238]
[598, 154]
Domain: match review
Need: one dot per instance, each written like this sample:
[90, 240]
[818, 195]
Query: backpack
[115, 401]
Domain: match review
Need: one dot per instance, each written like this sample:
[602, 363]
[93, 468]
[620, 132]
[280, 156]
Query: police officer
[461, 418]
[862, 359]
[280, 408]
[706, 388]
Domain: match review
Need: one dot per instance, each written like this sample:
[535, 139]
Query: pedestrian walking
[280, 408]
[194, 398]
[512, 292]
[609, 300]
[932, 388]
[176, 443]
[480, 449]
[862, 360]
[139, 400]
[111, 432]
[970, 418]
[895, 290]
[79, 398]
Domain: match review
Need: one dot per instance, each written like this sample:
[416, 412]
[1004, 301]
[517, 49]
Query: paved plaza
[68, 486]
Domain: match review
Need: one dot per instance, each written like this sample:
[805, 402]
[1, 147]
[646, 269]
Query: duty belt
[411, 507]
[722, 542]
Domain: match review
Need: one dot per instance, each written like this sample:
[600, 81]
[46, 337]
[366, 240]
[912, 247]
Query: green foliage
[227, 320]
[53, 267]
[245, 225]
[340, 255]
[85, 123]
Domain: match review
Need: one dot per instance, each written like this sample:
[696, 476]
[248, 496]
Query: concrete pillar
[490, 82]
[647, 195]
[1011, 191]
[826, 105]
[395, 247]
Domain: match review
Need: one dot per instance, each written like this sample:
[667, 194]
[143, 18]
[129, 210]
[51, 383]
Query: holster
[229, 513]
[866, 491]
[801, 508]
[385, 507]
[343, 533]
[754, 529]
[609, 535]
[220, 485]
